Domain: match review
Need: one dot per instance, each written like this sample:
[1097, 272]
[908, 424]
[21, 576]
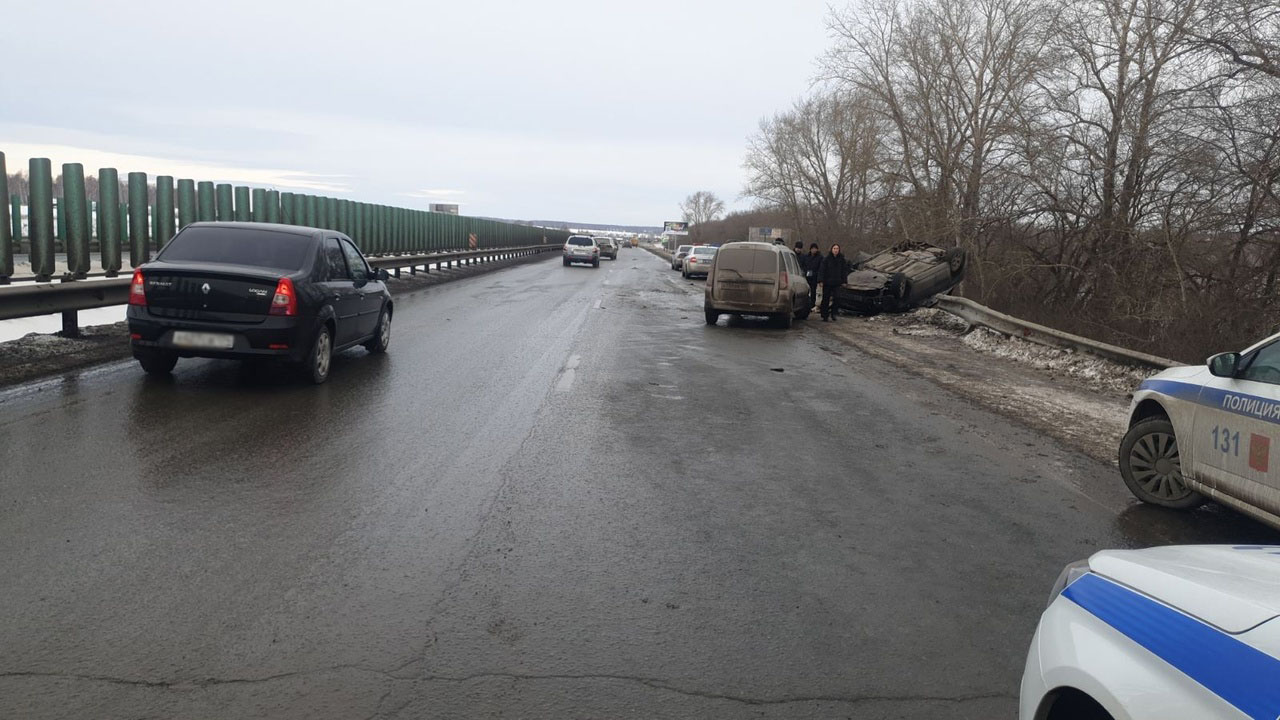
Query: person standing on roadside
[810, 264]
[832, 273]
[799, 249]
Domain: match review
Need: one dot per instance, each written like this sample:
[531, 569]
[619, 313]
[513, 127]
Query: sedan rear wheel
[1152, 467]
[382, 337]
[315, 368]
[157, 362]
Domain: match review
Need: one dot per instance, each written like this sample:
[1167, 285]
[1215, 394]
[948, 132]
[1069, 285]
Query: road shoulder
[1079, 401]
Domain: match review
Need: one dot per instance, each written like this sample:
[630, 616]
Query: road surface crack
[666, 685]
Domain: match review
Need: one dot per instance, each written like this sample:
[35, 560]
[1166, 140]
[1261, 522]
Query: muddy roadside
[1077, 399]
[38, 356]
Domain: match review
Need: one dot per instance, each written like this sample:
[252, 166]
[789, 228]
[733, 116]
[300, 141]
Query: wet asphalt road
[559, 495]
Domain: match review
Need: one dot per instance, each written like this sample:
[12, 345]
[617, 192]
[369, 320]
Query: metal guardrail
[664, 254]
[462, 257]
[17, 301]
[981, 315]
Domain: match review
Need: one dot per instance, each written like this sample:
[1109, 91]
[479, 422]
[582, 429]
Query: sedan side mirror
[383, 275]
[1224, 364]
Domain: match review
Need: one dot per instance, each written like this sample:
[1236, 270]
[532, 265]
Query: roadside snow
[1095, 372]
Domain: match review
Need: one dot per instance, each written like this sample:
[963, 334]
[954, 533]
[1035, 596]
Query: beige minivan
[755, 278]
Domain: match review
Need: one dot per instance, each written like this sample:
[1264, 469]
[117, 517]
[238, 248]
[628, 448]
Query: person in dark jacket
[832, 273]
[810, 264]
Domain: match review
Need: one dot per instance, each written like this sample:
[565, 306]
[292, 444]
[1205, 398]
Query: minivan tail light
[137, 291]
[784, 280]
[285, 301]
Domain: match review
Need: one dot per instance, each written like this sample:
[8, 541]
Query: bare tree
[956, 80]
[819, 162]
[1113, 165]
[701, 207]
[1246, 33]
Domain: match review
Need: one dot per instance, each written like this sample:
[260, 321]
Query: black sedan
[256, 290]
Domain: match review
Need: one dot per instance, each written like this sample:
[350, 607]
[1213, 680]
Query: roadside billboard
[770, 234]
[675, 226]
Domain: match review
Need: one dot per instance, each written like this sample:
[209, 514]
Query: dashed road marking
[565, 384]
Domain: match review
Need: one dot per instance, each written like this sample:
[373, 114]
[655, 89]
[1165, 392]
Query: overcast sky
[580, 110]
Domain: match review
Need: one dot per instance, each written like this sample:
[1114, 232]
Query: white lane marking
[599, 303]
[566, 381]
[565, 384]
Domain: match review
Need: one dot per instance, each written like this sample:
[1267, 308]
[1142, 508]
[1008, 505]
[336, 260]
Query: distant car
[902, 277]
[677, 257]
[1167, 633]
[755, 278]
[608, 247]
[581, 249]
[698, 261]
[1207, 431]
[255, 290]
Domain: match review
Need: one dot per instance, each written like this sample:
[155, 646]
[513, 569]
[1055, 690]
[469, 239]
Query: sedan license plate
[203, 340]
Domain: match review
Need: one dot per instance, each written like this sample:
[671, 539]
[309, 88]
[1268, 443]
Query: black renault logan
[257, 290]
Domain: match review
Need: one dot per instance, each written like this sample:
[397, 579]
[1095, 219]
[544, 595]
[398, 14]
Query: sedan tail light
[285, 301]
[137, 291]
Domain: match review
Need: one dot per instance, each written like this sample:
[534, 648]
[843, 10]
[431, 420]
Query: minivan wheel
[784, 320]
[315, 368]
[566, 262]
[157, 362]
[1152, 468]
[712, 317]
[802, 313]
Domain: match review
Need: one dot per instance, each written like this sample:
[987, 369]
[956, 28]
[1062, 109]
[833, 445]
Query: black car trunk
[210, 292]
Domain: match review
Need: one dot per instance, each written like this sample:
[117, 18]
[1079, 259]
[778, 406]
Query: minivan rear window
[238, 246]
[581, 241]
[747, 260]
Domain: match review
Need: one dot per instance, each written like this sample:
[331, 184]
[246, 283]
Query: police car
[1207, 432]
[1171, 633]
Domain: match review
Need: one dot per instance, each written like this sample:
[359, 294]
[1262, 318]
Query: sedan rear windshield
[238, 246]
[581, 241]
[747, 260]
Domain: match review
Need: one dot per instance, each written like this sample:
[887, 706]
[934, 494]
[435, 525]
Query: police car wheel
[1152, 468]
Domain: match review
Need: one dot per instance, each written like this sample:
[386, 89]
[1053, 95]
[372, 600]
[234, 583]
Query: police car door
[1237, 429]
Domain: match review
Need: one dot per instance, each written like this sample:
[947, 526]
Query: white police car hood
[1181, 372]
[1235, 588]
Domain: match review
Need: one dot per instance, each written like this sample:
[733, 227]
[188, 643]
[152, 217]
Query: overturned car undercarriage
[904, 276]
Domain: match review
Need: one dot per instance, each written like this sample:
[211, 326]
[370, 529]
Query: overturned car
[906, 275]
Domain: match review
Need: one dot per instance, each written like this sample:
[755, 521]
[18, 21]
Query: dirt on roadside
[1077, 399]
